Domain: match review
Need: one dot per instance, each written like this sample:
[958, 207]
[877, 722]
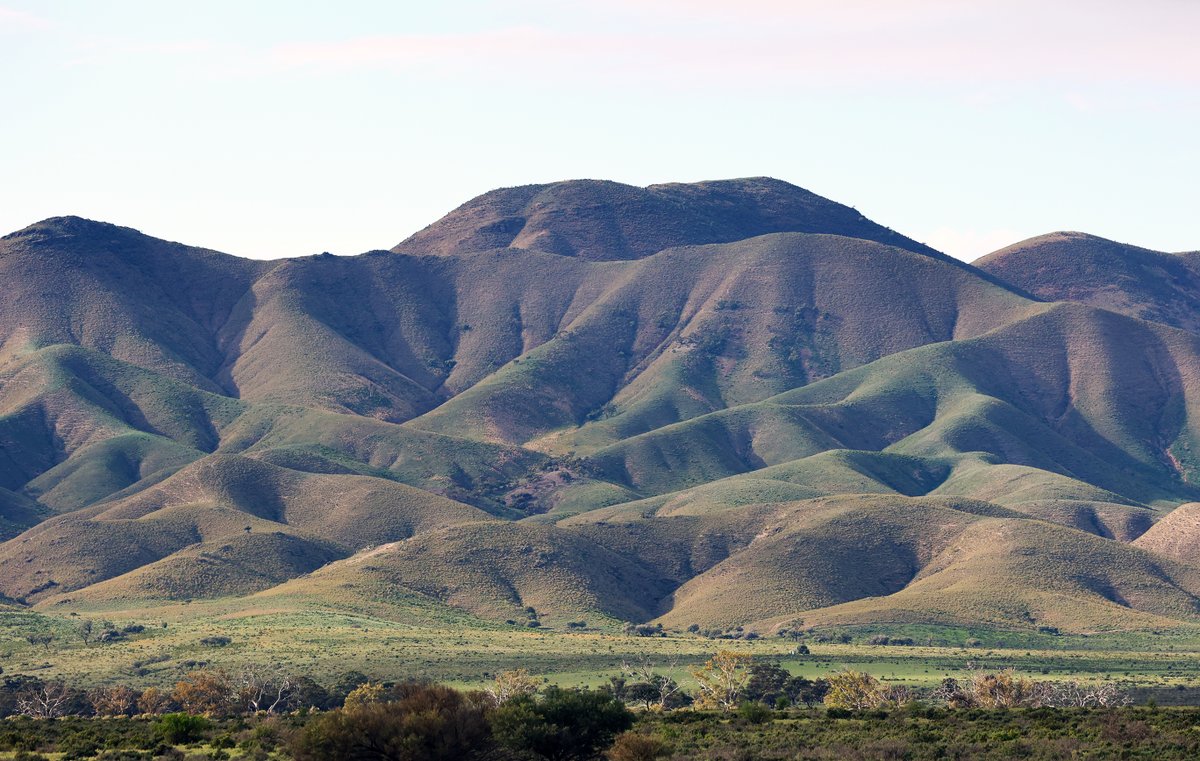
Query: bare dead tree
[47, 700]
[645, 672]
[511, 684]
[263, 689]
[1072, 694]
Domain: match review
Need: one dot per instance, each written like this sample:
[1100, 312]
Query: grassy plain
[415, 638]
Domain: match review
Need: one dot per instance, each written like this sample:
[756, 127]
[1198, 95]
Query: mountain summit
[601, 220]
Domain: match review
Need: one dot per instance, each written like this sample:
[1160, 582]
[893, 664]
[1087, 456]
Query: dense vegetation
[998, 716]
[733, 706]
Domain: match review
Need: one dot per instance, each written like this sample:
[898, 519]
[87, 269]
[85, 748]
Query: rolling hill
[1071, 266]
[729, 404]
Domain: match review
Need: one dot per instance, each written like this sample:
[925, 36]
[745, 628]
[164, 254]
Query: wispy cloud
[413, 51]
[12, 20]
[804, 42]
[95, 52]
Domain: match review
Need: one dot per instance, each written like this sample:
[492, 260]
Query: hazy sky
[272, 129]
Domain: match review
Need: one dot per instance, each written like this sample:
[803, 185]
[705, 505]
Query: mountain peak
[1075, 266]
[605, 220]
[67, 226]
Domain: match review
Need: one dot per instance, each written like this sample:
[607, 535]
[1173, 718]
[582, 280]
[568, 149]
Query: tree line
[724, 682]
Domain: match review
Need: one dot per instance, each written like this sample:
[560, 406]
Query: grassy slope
[759, 443]
[150, 543]
[1051, 392]
[1070, 266]
[688, 331]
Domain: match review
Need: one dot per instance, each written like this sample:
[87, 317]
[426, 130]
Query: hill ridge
[729, 403]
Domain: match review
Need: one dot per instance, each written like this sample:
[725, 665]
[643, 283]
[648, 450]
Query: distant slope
[895, 559]
[142, 300]
[17, 513]
[1176, 536]
[561, 574]
[729, 403]
[1070, 266]
[601, 220]
[163, 533]
[1054, 391]
[691, 330]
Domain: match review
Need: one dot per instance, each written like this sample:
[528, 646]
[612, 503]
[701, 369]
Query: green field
[433, 642]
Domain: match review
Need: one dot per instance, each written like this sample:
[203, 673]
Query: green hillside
[1071, 266]
[728, 404]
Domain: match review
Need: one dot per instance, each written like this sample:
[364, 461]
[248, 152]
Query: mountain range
[729, 403]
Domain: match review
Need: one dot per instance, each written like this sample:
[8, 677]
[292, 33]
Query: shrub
[564, 725]
[852, 690]
[423, 723]
[79, 745]
[632, 746]
[181, 728]
[754, 712]
[215, 641]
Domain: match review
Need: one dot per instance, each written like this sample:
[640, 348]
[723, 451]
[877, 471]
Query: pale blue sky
[272, 129]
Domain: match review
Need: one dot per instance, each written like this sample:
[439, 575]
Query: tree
[117, 700]
[511, 684]
[1072, 694]
[44, 700]
[40, 638]
[1006, 690]
[259, 688]
[209, 692]
[768, 682]
[85, 631]
[308, 693]
[564, 725]
[1003, 689]
[722, 679]
[349, 681]
[852, 690]
[808, 691]
[364, 694]
[894, 696]
[422, 723]
[154, 702]
[652, 689]
[617, 686]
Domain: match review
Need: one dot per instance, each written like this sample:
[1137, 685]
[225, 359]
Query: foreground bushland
[438, 723]
[916, 733]
[736, 708]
